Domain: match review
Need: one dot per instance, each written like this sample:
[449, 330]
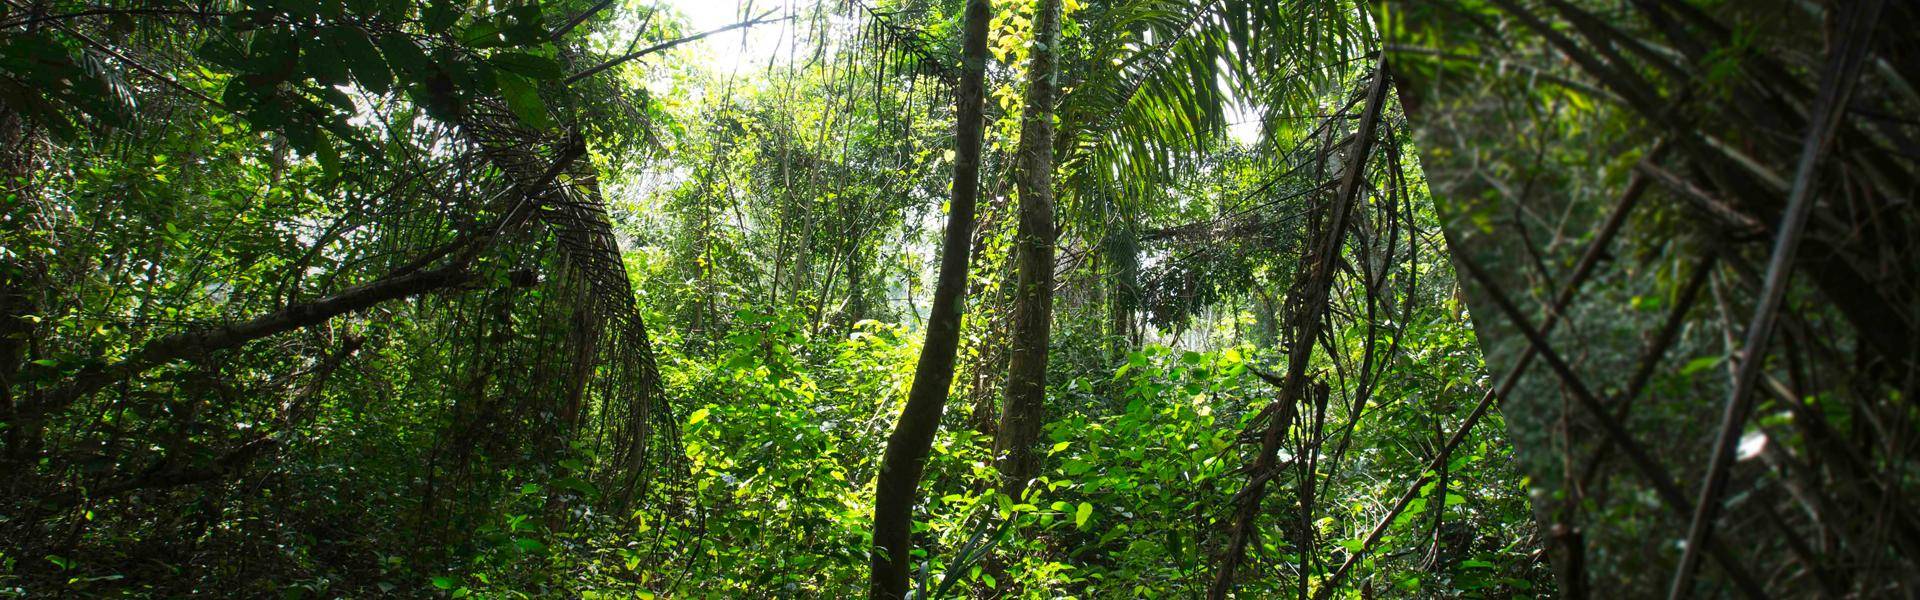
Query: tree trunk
[906, 455]
[1024, 411]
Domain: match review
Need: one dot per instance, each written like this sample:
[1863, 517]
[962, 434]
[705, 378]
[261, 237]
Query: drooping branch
[1310, 306]
[405, 282]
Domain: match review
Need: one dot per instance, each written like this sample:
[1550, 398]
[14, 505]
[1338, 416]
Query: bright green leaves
[1081, 514]
[1700, 364]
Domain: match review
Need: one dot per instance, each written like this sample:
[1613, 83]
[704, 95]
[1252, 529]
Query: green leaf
[440, 15]
[1081, 514]
[334, 97]
[404, 56]
[1699, 364]
[324, 63]
[525, 24]
[577, 485]
[329, 158]
[303, 134]
[482, 33]
[274, 54]
[529, 65]
[362, 58]
[697, 416]
[394, 10]
[524, 100]
[445, 583]
[223, 52]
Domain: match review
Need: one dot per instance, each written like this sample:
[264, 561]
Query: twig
[576, 21]
[760, 20]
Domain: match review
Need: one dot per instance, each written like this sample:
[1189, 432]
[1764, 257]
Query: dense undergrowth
[784, 430]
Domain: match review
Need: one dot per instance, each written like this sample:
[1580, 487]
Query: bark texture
[1024, 411]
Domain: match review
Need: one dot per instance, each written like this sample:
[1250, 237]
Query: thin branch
[97, 12]
[623, 59]
[192, 344]
[1562, 299]
[582, 18]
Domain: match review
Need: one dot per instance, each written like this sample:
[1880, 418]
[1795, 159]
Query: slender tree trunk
[1123, 273]
[1024, 410]
[906, 455]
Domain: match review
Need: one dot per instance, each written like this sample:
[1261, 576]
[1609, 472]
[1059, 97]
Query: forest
[987, 299]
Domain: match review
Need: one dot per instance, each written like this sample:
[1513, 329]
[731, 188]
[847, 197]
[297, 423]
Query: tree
[906, 454]
[1024, 411]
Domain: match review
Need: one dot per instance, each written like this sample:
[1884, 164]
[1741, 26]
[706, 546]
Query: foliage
[450, 298]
